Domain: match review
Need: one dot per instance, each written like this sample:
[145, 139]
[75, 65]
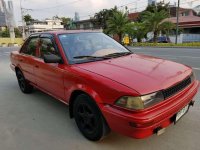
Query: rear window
[29, 47]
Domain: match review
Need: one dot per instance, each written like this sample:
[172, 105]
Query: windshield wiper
[109, 56]
[118, 54]
[90, 57]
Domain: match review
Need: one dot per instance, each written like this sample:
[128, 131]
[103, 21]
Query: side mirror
[51, 58]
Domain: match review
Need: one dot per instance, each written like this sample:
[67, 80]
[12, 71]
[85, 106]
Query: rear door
[49, 77]
[26, 58]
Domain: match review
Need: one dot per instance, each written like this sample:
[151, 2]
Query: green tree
[137, 30]
[117, 24]
[151, 8]
[102, 17]
[18, 33]
[167, 27]
[155, 22]
[65, 21]
[28, 19]
[5, 33]
[159, 6]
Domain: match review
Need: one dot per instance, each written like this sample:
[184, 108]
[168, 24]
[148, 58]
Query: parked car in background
[105, 85]
[161, 39]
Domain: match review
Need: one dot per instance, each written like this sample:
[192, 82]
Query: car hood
[144, 74]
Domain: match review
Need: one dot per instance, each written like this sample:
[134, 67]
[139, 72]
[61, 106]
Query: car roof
[66, 32]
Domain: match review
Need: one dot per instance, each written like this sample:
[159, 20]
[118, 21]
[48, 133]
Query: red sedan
[105, 85]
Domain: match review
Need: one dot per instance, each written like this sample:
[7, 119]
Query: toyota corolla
[106, 86]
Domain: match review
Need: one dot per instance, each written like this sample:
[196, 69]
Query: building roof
[133, 16]
[85, 21]
[181, 10]
[186, 21]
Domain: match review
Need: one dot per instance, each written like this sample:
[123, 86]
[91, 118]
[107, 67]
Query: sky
[42, 9]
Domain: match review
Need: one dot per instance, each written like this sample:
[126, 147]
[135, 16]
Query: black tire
[89, 118]
[23, 84]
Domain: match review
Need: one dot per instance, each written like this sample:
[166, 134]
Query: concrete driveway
[39, 122]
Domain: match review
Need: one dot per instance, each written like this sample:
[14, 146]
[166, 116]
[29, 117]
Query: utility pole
[177, 20]
[135, 6]
[23, 27]
[169, 11]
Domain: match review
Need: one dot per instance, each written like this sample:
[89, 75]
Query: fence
[186, 38]
[191, 38]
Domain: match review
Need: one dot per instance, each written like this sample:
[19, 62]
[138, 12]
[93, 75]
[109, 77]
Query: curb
[7, 45]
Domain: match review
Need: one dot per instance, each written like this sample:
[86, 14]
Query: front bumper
[144, 123]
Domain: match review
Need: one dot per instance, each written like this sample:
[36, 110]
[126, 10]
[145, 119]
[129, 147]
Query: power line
[131, 3]
[90, 14]
[177, 21]
[121, 6]
[53, 7]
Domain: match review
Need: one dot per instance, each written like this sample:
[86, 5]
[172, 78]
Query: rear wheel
[89, 118]
[23, 84]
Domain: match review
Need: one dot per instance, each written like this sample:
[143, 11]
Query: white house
[47, 25]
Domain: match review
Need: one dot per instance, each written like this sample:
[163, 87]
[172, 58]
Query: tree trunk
[120, 37]
[155, 36]
[139, 40]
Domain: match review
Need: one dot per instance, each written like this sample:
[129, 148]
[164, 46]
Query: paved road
[190, 57]
[39, 122]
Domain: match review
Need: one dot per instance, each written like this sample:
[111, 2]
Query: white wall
[44, 27]
[173, 38]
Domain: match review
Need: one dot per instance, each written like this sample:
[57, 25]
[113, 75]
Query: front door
[49, 77]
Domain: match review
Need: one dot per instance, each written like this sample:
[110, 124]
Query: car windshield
[90, 46]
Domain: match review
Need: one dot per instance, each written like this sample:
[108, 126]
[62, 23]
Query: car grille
[178, 87]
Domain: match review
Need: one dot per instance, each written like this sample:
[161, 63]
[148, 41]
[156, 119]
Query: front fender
[85, 89]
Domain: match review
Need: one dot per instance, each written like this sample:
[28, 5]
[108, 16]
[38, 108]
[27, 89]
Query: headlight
[130, 102]
[138, 103]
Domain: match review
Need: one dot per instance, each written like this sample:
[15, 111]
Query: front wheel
[23, 84]
[89, 118]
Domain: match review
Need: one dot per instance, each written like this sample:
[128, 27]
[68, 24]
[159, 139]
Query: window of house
[185, 13]
[86, 25]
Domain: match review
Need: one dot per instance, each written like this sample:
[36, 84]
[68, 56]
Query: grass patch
[194, 44]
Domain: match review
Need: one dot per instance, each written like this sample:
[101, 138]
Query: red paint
[106, 81]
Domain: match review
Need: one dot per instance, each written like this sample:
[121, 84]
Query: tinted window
[47, 47]
[30, 46]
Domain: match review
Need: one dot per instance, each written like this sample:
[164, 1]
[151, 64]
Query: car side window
[47, 47]
[30, 46]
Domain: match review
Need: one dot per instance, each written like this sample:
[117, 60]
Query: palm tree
[28, 19]
[167, 27]
[101, 18]
[155, 21]
[117, 24]
[137, 30]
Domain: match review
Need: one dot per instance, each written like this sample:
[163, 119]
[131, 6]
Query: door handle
[36, 66]
[20, 60]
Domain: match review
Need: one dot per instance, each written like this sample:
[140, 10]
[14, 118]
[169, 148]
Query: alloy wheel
[88, 121]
